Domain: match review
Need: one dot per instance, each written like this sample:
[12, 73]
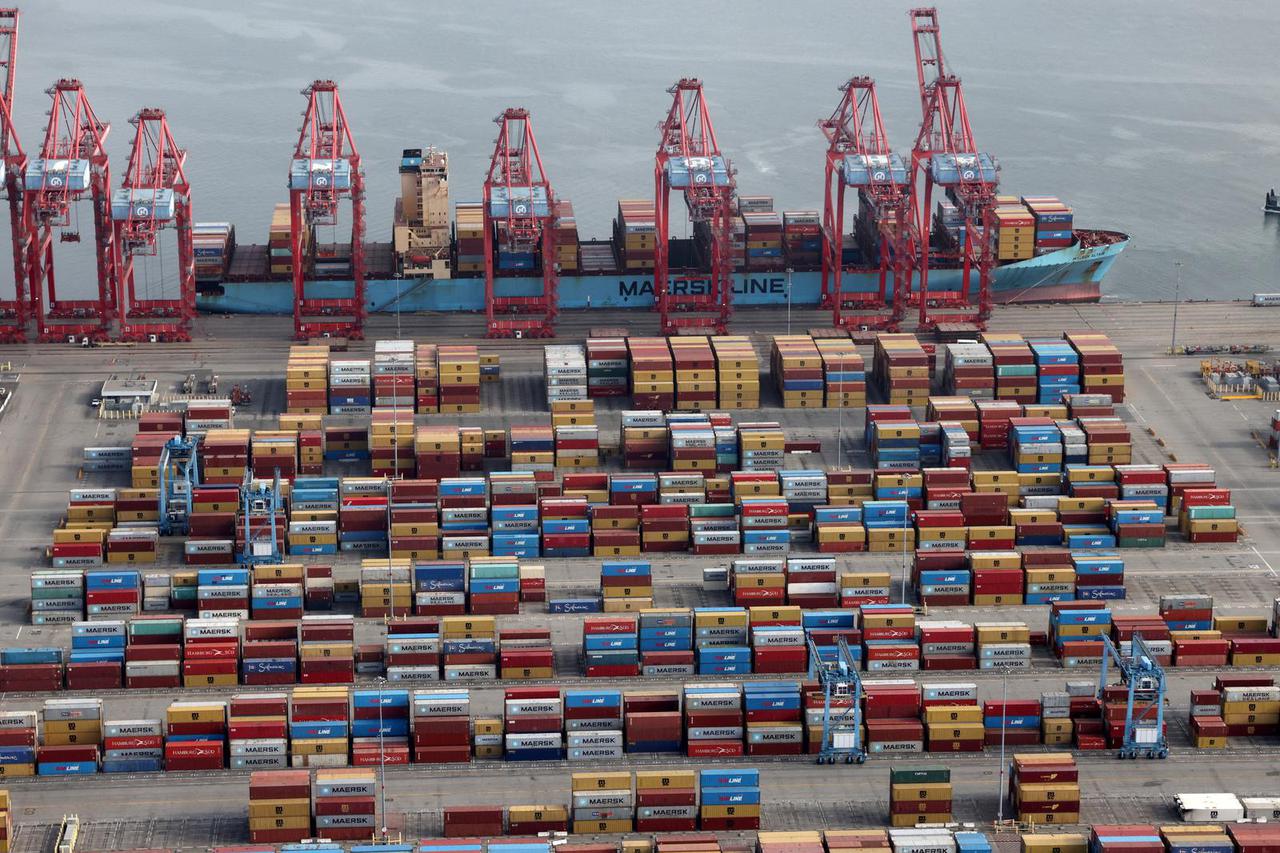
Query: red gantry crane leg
[689, 160]
[325, 169]
[72, 164]
[154, 194]
[946, 156]
[518, 214]
[858, 156]
[14, 313]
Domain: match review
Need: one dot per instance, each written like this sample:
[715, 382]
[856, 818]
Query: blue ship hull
[1073, 274]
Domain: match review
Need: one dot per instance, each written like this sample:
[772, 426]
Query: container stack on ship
[634, 234]
[281, 258]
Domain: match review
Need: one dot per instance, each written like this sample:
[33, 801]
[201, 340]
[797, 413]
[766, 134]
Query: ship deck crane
[261, 504]
[842, 704]
[1144, 710]
[689, 160]
[325, 170]
[518, 201]
[859, 157]
[179, 470]
[72, 164]
[154, 194]
[15, 313]
[946, 156]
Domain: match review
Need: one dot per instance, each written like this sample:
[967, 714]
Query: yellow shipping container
[901, 820]
[800, 837]
[467, 627]
[1055, 843]
[617, 781]
[80, 727]
[1051, 792]
[724, 619]
[318, 746]
[601, 827]
[955, 731]
[531, 813]
[279, 808]
[927, 792]
[229, 679]
[1055, 818]
[650, 779]
[1004, 632]
[626, 605]
[730, 811]
[291, 822]
[1056, 725]
[940, 714]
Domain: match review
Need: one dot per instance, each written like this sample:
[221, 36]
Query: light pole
[382, 763]
[1177, 297]
[903, 600]
[840, 429]
[788, 300]
[1004, 718]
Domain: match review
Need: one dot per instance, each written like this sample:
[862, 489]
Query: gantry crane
[842, 704]
[325, 169]
[1144, 711]
[15, 313]
[261, 507]
[858, 156]
[179, 470]
[519, 202]
[154, 194]
[71, 165]
[946, 156]
[689, 160]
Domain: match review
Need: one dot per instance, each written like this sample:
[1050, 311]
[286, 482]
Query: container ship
[929, 229]
[434, 264]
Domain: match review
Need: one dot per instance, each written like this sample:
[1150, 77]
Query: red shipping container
[714, 749]
[442, 755]
[667, 796]
[68, 753]
[728, 824]
[194, 755]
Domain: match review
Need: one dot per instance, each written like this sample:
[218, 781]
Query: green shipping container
[711, 510]
[928, 774]
[1199, 512]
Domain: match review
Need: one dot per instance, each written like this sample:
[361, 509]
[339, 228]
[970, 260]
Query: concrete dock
[49, 422]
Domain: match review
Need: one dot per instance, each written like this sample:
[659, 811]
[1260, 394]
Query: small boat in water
[1272, 204]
